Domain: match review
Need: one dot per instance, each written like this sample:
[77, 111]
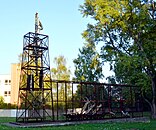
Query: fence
[7, 112]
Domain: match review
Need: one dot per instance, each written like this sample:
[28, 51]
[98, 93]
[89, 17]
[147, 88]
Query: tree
[1, 100]
[127, 30]
[88, 66]
[61, 72]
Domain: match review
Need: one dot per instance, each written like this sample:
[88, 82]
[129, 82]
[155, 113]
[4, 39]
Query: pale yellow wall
[15, 77]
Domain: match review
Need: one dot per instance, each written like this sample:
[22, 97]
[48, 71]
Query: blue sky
[61, 21]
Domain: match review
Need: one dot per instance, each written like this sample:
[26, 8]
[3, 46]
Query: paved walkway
[46, 124]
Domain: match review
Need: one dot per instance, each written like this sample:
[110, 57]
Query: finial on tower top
[38, 24]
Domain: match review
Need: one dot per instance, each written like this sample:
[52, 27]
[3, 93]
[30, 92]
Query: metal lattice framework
[35, 100]
[68, 100]
[76, 100]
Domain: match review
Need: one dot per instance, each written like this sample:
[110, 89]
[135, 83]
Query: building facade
[15, 77]
[9, 84]
[5, 87]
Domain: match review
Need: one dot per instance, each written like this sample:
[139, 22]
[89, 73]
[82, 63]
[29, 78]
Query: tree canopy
[88, 65]
[127, 30]
[60, 72]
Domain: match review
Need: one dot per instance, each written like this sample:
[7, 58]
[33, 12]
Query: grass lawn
[104, 126]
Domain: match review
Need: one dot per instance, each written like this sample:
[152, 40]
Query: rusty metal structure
[35, 100]
[43, 99]
[79, 101]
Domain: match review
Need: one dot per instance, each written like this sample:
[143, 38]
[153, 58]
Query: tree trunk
[153, 104]
[153, 111]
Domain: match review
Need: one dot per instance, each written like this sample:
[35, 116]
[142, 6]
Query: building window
[7, 93]
[6, 82]
[9, 82]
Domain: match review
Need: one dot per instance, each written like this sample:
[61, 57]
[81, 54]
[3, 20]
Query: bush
[7, 106]
[1, 100]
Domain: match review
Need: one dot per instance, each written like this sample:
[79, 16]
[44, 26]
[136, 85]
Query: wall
[7, 112]
[15, 76]
[5, 87]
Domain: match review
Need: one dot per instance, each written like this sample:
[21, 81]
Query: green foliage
[61, 72]
[1, 100]
[88, 65]
[4, 105]
[8, 106]
[125, 28]
[127, 31]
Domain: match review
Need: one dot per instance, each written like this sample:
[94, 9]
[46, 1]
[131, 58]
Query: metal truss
[35, 100]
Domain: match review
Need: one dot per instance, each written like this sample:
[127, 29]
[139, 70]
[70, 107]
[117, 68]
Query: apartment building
[9, 84]
[5, 87]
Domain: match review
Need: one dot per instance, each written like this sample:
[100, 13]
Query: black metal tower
[35, 100]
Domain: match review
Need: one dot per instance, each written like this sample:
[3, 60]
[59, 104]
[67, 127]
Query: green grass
[105, 126]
